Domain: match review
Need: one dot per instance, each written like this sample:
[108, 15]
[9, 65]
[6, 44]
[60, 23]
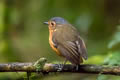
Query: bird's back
[66, 33]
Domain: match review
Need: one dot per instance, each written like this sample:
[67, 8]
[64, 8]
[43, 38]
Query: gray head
[57, 20]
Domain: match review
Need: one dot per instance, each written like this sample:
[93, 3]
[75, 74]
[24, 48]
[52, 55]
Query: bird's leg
[64, 63]
[78, 67]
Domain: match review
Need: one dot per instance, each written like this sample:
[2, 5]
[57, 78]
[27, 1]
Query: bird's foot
[77, 67]
[60, 67]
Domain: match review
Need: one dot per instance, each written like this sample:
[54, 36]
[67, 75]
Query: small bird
[65, 40]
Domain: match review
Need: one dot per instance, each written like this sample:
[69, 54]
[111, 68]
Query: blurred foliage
[113, 58]
[107, 77]
[23, 37]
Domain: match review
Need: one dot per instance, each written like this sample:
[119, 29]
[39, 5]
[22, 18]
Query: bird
[65, 40]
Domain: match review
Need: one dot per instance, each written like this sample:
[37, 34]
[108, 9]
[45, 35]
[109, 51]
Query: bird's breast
[52, 43]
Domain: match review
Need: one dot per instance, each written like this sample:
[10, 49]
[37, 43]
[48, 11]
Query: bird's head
[56, 21]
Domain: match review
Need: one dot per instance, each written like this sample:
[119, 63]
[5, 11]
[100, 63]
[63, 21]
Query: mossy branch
[42, 66]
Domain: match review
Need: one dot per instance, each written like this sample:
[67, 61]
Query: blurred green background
[24, 37]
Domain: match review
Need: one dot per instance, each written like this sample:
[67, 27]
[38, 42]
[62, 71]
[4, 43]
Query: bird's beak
[46, 23]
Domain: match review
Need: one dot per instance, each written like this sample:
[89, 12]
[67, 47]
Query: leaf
[102, 77]
[113, 58]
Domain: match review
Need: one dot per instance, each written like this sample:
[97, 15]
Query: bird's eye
[52, 23]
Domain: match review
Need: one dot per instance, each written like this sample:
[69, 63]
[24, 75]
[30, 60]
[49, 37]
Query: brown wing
[70, 52]
[69, 44]
[81, 48]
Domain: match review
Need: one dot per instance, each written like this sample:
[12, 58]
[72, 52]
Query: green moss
[39, 64]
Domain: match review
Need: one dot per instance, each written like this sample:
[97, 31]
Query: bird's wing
[78, 45]
[70, 46]
[69, 50]
[81, 48]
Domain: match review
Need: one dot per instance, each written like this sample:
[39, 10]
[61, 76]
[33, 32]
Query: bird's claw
[60, 67]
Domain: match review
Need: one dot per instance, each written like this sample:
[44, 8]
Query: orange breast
[52, 44]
